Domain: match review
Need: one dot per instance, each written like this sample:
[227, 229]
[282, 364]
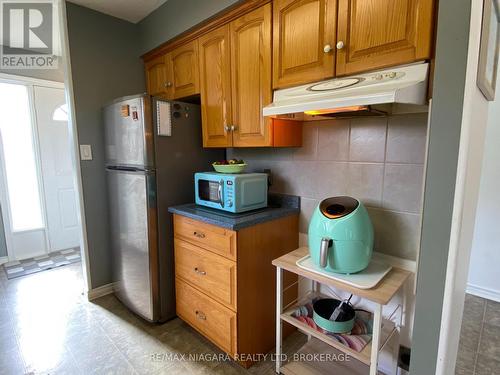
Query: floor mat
[41, 263]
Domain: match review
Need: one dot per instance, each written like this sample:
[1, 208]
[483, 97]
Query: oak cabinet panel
[156, 76]
[215, 87]
[251, 78]
[380, 33]
[303, 41]
[183, 78]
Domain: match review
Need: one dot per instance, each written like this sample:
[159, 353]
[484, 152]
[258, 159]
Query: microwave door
[211, 191]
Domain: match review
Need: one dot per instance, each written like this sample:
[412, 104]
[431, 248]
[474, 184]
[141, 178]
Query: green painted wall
[175, 17]
[105, 64]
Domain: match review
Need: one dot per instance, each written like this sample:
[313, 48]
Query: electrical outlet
[85, 152]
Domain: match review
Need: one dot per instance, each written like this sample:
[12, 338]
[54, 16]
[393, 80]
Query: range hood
[361, 94]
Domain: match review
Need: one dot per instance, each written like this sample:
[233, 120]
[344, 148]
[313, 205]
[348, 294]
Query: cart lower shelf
[363, 356]
[319, 358]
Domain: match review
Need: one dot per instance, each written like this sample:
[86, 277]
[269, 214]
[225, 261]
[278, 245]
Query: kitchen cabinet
[156, 76]
[183, 74]
[235, 83]
[374, 34]
[304, 35]
[215, 87]
[225, 281]
[251, 78]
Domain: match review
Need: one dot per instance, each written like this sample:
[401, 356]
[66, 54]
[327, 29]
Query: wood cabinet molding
[215, 87]
[381, 33]
[156, 76]
[302, 32]
[225, 16]
[184, 75]
[251, 78]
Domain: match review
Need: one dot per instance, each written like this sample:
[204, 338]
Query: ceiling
[129, 10]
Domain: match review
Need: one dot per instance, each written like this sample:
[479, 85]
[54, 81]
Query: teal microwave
[231, 192]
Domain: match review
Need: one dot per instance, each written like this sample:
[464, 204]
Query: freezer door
[128, 132]
[133, 227]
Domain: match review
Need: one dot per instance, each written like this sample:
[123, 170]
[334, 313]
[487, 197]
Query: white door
[20, 193]
[57, 168]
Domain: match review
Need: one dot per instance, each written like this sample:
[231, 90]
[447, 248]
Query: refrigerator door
[128, 132]
[133, 227]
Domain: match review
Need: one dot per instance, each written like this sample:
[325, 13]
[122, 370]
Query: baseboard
[101, 291]
[487, 293]
[3, 260]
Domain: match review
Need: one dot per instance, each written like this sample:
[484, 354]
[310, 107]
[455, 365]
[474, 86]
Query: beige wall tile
[403, 187]
[342, 157]
[406, 138]
[309, 148]
[333, 140]
[307, 207]
[365, 183]
[367, 142]
[396, 233]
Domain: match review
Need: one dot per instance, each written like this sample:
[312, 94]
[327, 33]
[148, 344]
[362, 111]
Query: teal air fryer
[341, 236]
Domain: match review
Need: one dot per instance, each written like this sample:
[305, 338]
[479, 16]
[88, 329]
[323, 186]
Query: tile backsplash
[377, 160]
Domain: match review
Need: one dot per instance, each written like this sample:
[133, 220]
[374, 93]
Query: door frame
[77, 173]
[30, 84]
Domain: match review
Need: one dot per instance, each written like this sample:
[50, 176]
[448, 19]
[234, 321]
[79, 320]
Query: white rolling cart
[366, 361]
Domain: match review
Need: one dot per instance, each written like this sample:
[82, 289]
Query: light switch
[85, 152]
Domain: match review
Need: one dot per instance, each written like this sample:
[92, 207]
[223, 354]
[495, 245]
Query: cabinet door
[183, 77]
[379, 33]
[251, 77]
[215, 87]
[156, 76]
[303, 41]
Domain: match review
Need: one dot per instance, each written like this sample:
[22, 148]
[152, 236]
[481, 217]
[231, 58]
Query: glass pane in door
[20, 165]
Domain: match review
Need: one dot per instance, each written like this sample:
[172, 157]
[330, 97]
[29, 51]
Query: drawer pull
[200, 315]
[199, 272]
[199, 234]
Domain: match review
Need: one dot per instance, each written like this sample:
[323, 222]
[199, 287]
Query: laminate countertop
[279, 205]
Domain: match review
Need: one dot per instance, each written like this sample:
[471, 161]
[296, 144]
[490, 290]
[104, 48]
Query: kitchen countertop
[279, 205]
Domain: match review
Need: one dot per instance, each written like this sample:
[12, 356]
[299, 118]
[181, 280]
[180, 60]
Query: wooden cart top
[381, 294]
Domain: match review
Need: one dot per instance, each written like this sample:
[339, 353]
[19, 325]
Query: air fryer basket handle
[323, 252]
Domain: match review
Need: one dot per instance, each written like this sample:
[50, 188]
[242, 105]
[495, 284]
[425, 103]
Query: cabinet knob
[340, 45]
[168, 84]
[199, 234]
[200, 315]
[227, 128]
[327, 48]
[233, 128]
[199, 272]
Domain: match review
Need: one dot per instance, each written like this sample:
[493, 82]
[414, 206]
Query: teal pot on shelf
[323, 309]
[341, 236]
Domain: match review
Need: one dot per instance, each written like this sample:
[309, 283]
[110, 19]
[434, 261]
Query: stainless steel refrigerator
[153, 148]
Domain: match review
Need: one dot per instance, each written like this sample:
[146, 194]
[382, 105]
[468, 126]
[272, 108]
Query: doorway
[37, 190]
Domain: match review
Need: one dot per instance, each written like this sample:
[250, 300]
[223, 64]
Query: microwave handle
[220, 195]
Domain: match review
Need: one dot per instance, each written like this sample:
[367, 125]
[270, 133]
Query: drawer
[210, 273]
[216, 239]
[210, 318]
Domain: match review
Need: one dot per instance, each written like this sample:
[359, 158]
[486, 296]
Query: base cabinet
[229, 297]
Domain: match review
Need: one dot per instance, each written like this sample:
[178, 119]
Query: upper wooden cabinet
[379, 33]
[235, 84]
[303, 41]
[156, 76]
[215, 87]
[183, 73]
[251, 78]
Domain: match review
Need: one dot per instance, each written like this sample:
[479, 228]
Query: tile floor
[479, 349]
[48, 327]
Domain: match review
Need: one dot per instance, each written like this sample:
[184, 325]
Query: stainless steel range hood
[363, 94]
